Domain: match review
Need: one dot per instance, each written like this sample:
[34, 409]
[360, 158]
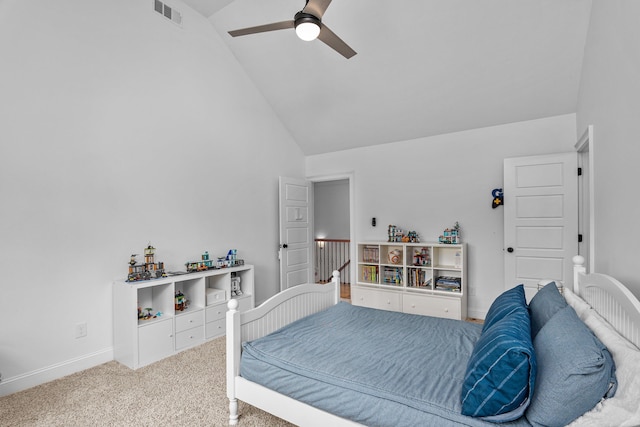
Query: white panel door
[296, 226]
[540, 219]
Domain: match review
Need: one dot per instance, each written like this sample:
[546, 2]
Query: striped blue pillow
[501, 371]
[508, 302]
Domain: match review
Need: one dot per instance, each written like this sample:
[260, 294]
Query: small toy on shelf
[235, 285]
[149, 270]
[421, 257]
[146, 316]
[451, 235]
[230, 260]
[397, 235]
[181, 302]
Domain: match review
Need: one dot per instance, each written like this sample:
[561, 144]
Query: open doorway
[332, 231]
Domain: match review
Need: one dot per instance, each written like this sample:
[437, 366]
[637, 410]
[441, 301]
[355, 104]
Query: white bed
[593, 293]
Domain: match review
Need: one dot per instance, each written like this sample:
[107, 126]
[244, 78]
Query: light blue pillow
[506, 303]
[501, 371]
[575, 371]
[544, 305]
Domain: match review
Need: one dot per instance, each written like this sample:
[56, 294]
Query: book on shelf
[392, 275]
[369, 273]
[418, 278]
[371, 254]
[448, 283]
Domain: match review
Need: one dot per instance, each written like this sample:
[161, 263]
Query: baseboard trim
[53, 372]
[476, 314]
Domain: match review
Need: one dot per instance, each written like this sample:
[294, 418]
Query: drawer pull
[446, 310]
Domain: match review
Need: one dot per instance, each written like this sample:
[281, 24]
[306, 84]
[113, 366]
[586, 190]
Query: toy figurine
[180, 303]
[235, 286]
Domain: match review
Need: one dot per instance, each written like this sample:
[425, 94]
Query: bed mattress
[375, 367]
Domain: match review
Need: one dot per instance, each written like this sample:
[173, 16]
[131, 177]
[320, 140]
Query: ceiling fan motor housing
[302, 17]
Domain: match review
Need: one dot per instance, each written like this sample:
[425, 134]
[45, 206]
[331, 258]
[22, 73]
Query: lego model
[148, 270]
[206, 263]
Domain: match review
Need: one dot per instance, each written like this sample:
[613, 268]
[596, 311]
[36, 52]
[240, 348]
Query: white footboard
[610, 298]
[278, 311]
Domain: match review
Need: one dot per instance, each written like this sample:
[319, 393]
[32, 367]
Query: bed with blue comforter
[541, 363]
[370, 365]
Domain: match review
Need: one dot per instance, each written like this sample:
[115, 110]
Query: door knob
[285, 246]
[509, 249]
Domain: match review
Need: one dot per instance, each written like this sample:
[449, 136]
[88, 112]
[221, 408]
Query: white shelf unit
[420, 278]
[139, 342]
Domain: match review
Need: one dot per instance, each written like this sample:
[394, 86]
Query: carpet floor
[188, 389]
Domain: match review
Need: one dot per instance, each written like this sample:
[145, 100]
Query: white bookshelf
[172, 328]
[419, 278]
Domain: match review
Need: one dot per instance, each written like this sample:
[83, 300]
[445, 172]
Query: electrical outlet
[81, 329]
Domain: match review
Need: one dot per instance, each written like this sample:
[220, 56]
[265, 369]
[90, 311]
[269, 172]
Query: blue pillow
[544, 305]
[575, 371]
[501, 371]
[506, 303]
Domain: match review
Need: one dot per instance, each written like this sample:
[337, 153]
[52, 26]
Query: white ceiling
[423, 68]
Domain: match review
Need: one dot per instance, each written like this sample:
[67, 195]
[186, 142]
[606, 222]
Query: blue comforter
[378, 368]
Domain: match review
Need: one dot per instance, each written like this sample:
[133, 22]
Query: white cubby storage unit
[139, 342]
[419, 278]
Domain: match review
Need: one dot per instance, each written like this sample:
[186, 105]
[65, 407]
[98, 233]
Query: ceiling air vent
[166, 11]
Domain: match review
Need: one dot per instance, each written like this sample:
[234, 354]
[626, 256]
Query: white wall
[609, 100]
[119, 128]
[331, 209]
[428, 184]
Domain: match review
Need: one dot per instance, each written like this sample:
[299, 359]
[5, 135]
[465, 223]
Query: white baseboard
[476, 314]
[53, 372]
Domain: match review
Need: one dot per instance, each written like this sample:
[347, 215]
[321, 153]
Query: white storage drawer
[189, 337]
[432, 305]
[216, 328]
[374, 298]
[189, 320]
[215, 312]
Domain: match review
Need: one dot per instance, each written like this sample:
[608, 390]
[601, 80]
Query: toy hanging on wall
[497, 198]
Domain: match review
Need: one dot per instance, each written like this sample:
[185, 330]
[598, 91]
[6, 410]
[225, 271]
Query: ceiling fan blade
[316, 8]
[262, 28]
[333, 41]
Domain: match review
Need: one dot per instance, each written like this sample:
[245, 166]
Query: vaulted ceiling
[423, 67]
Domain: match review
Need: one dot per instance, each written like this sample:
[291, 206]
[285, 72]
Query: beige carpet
[187, 389]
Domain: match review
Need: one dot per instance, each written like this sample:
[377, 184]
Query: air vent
[169, 13]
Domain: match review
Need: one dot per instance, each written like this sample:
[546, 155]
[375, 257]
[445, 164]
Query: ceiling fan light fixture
[307, 26]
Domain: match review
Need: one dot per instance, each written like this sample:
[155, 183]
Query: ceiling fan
[308, 25]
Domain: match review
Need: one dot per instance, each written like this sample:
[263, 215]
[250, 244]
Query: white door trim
[585, 144]
[352, 212]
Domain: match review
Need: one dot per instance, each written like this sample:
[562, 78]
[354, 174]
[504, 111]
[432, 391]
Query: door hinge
[579, 171]
[579, 238]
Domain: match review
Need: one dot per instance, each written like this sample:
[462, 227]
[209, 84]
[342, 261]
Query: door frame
[350, 176]
[585, 145]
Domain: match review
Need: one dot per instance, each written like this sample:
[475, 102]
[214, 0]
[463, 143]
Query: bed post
[578, 268]
[336, 281]
[233, 358]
